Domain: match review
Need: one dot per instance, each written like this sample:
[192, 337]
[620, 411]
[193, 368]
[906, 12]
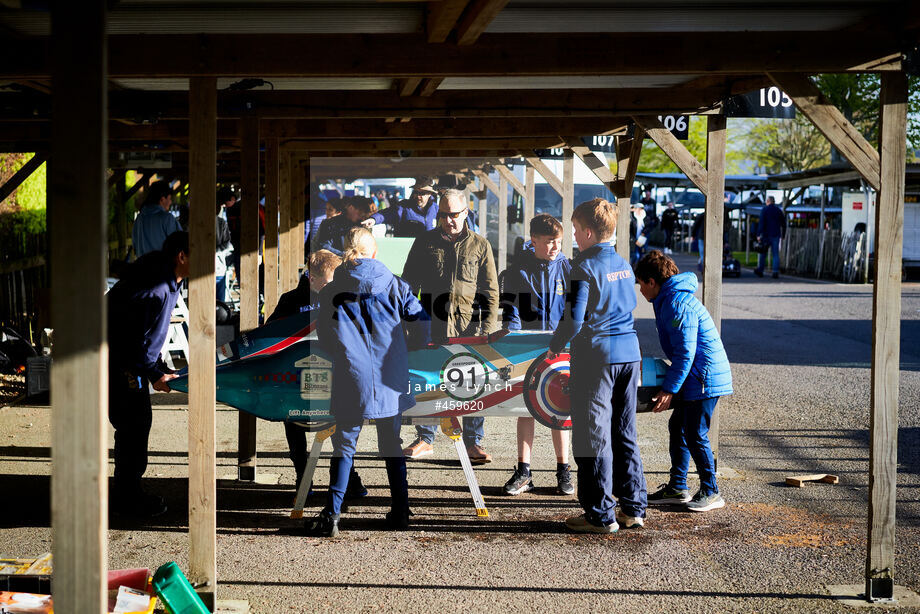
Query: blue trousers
[689, 429]
[473, 431]
[604, 439]
[389, 445]
[762, 258]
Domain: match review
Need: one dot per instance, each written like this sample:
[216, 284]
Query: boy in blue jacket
[360, 325]
[699, 373]
[533, 291]
[604, 376]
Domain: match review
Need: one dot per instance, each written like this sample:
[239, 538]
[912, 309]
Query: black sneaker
[666, 495]
[564, 481]
[398, 520]
[519, 483]
[355, 489]
[323, 525]
[758, 272]
[775, 275]
[140, 506]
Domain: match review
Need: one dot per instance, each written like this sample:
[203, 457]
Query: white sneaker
[580, 524]
[629, 522]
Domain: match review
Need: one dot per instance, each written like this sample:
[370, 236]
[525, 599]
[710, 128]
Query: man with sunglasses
[454, 270]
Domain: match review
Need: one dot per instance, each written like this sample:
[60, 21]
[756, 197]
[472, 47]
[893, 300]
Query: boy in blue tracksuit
[533, 291]
[360, 325]
[699, 373]
[604, 376]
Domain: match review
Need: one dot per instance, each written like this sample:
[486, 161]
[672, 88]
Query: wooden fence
[828, 254]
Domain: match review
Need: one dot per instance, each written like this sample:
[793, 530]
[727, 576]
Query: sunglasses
[451, 214]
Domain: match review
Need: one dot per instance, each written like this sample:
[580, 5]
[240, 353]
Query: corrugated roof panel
[580, 82]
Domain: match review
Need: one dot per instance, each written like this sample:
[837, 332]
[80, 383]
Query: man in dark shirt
[332, 231]
[139, 309]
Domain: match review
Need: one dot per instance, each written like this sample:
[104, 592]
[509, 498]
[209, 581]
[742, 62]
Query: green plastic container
[175, 591]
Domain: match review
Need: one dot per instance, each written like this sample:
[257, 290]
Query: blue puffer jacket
[699, 366]
[361, 325]
[534, 291]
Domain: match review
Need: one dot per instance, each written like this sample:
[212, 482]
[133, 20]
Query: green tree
[782, 146]
[653, 160]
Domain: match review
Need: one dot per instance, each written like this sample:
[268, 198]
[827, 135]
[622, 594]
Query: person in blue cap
[361, 319]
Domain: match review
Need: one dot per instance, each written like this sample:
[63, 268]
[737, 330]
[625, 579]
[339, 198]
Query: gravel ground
[800, 353]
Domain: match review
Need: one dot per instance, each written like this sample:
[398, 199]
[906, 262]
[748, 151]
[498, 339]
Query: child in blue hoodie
[533, 291]
[360, 325]
[699, 374]
[605, 376]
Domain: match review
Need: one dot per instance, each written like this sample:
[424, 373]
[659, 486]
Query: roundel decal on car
[546, 392]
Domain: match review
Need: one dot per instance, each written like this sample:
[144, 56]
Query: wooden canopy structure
[272, 94]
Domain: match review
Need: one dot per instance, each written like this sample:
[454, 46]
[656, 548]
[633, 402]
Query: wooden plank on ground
[568, 199]
[270, 251]
[799, 480]
[886, 339]
[249, 278]
[202, 422]
[675, 150]
[79, 379]
[830, 121]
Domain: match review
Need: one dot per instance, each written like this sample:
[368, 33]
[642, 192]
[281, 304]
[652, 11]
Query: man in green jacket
[454, 271]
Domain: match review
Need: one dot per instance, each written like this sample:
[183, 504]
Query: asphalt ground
[800, 353]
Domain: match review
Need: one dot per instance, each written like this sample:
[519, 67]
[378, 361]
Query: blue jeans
[762, 258]
[473, 431]
[389, 445]
[604, 439]
[689, 429]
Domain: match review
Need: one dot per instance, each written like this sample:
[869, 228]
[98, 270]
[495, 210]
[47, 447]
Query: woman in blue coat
[699, 373]
[360, 325]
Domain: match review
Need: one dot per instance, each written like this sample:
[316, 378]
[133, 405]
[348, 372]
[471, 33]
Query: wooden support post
[121, 220]
[502, 222]
[712, 240]
[298, 216]
[270, 252]
[249, 278]
[628, 152]
[715, 207]
[285, 266]
[482, 195]
[886, 340]
[79, 379]
[202, 400]
[568, 199]
[530, 188]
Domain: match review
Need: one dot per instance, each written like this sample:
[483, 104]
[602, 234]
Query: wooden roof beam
[676, 151]
[477, 18]
[594, 163]
[510, 178]
[442, 17]
[538, 165]
[830, 121]
[409, 55]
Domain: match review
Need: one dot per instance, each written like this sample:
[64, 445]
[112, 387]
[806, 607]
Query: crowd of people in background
[449, 288]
